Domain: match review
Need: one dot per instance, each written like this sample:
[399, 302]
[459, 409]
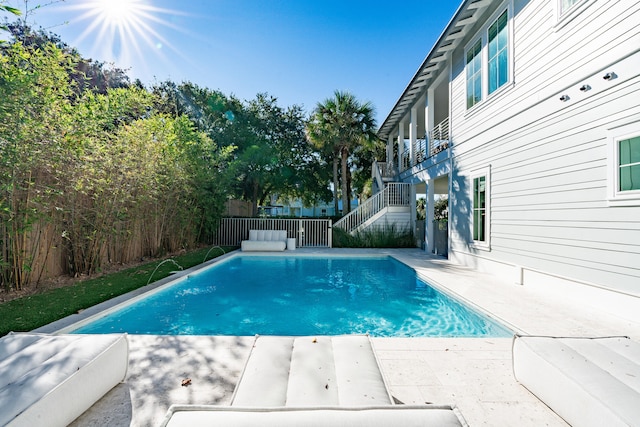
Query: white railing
[435, 141]
[420, 151]
[406, 160]
[376, 175]
[439, 137]
[314, 233]
[394, 194]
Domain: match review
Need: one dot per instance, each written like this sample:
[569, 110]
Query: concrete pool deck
[472, 373]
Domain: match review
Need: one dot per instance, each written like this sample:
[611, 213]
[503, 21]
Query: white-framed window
[498, 61]
[474, 74]
[489, 59]
[624, 165]
[567, 10]
[565, 5]
[481, 208]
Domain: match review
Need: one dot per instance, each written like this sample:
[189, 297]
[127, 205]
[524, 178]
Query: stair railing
[394, 194]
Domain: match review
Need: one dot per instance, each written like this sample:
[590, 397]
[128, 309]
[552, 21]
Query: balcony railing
[435, 141]
[439, 137]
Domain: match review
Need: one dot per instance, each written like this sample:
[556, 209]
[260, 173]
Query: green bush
[383, 237]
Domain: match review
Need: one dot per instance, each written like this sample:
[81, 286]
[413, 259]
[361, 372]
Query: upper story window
[498, 53]
[565, 5]
[488, 59]
[474, 74]
[567, 10]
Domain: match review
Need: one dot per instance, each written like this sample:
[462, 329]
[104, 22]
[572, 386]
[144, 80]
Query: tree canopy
[342, 128]
[95, 170]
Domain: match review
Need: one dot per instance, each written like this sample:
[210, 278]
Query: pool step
[311, 371]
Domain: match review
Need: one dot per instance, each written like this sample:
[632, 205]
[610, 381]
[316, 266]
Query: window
[498, 53]
[480, 207]
[474, 74]
[488, 60]
[629, 164]
[624, 165]
[567, 10]
[566, 5]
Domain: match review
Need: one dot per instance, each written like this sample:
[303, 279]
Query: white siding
[548, 158]
[396, 218]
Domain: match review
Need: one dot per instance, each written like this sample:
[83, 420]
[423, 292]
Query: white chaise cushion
[52, 379]
[373, 416]
[587, 381]
[311, 371]
[263, 246]
[265, 241]
[268, 235]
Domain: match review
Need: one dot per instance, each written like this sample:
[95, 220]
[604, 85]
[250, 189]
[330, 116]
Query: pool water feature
[248, 295]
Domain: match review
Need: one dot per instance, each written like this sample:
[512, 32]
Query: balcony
[436, 141]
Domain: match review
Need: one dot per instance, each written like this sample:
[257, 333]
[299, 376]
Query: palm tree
[338, 127]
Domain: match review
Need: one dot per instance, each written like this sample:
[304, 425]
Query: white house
[526, 113]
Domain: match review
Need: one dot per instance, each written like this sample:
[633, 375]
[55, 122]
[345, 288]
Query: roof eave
[448, 41]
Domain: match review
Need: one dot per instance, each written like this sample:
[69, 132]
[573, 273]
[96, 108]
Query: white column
[430, 116]
[400, 145]
[390, 150]
[414, 214]
[413, 130]
[428, 226]
[427, 110]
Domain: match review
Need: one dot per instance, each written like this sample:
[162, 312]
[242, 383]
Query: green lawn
[31, 312]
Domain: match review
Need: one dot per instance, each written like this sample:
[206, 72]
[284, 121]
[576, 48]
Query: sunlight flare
[125, 31]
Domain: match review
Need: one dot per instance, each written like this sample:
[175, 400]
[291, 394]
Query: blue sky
[300, 51]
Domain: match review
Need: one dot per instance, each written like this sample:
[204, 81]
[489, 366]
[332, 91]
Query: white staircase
[394, 198]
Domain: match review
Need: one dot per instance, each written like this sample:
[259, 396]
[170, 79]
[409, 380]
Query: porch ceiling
[463, 20]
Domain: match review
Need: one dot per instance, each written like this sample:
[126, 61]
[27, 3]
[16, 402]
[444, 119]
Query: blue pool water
[248, 295]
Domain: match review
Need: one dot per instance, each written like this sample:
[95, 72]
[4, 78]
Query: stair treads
[312, 378]
[265, 377]
[358, 377]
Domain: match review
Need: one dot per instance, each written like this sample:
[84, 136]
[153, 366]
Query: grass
[31, 312]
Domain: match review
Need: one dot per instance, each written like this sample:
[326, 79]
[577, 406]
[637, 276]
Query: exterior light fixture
[564, 98]
[610, 76]
[584, 88]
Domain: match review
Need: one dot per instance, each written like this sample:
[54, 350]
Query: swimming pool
[248, 295]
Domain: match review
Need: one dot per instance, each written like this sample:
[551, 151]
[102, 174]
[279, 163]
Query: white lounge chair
[52, 379]
[265, 241]
[313, 381]
[587, 381]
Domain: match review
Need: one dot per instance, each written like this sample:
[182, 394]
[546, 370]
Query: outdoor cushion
[313, 381]
[311, 371]
[268, 235]
[265, 377]
[587, 381]
[52, 379]
[373, 416]
[262, 246]
[265, 240]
